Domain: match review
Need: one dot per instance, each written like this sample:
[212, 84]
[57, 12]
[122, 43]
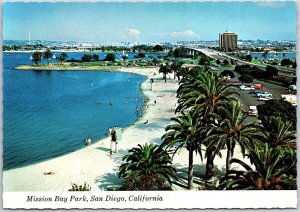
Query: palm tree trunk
[229, 156]
[165, 76]
[174, 75]
[191, 170]
[209, 165]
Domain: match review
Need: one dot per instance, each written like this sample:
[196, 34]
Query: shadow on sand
[109, 181]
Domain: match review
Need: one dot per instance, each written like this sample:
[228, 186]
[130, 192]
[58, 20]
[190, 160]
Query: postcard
[149, 105]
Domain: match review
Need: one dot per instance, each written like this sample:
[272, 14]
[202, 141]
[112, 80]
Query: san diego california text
[94, 198]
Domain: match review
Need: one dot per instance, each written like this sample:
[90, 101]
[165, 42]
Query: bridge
[217, 55]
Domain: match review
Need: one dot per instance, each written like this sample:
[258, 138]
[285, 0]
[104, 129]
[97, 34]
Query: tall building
[228, 41]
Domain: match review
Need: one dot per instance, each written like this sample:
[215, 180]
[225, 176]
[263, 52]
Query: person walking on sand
[154, 101]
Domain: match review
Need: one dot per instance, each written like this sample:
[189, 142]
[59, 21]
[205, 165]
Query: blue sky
[148, 22]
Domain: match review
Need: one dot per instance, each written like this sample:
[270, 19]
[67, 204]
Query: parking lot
[248, 99]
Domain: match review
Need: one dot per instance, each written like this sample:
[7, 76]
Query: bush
[277, 107]
[96, 57]
[246, 78]
[227, 73]
[110, 57]
[86, 58]
[150, 182]
[140, 55]
[271, 71]
[85, 187]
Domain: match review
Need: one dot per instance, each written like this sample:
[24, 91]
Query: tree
[48, 54]
[278, 133]
[231, 130]
[277, 107]
[248, 57]
[140, 55]
[271, 71]
[226, 62]
[95, 57]
[270, 172]
[110, 57]
[176, 66]
[204, 60]
[147, 162]
[124, 57]
[246, 78]
[226, 73]
[86, 58]
[155, 61]
[184, 133]
[202, 93]
[286, 62]
[37, 57]
[62, 57]
[158, 48]
[218, 61]
[165, 69]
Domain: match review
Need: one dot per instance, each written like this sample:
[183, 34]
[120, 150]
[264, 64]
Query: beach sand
[94, 164]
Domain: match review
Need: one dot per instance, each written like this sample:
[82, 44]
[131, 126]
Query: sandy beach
[93, 164]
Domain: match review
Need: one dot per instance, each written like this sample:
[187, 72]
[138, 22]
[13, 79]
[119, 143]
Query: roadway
[221, 56]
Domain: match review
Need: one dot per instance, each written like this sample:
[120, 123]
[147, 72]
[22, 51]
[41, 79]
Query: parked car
[257, 86]
[264, 94]
[264, 98]
[255, 91]
[292, 87]
[245, 88]
[252, 111]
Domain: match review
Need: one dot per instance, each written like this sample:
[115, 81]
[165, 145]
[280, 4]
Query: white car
[264, 98]
[245, 88]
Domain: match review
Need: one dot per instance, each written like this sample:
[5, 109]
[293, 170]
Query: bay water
[50, 113]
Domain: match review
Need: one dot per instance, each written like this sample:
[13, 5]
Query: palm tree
[176, 66]
[165, 69]
[155, 61]
[63, 56]
[148, 162]
[270, 172]
[231, 130]
[184, 133]
[48, 54]
[278, 133]
[203, 92]
[37, 57]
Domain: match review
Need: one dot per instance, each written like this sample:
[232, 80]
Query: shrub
[110, 57]
[246, 78]
[85, 187]
[86, 58]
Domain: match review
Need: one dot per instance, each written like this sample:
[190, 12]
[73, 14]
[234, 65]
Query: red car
[257, 86]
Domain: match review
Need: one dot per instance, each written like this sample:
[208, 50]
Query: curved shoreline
[94, 164]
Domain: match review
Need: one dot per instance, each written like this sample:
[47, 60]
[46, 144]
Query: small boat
[30, 58]
[53, 57]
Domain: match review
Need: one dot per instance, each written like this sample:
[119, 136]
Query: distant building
[228, 41]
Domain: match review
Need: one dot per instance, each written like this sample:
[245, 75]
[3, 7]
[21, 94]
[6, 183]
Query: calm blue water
[50, 113]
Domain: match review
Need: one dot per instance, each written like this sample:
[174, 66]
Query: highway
[221, 56]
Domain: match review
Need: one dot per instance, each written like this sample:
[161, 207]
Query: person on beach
[49, 173]
[146, 122]
[88, 141]
[154, 101]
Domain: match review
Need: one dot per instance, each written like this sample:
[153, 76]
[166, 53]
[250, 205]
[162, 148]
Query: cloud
[133, 34]
[274, 4]
[184, 34]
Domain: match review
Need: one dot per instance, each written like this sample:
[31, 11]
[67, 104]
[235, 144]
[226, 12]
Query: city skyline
[148, 22]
